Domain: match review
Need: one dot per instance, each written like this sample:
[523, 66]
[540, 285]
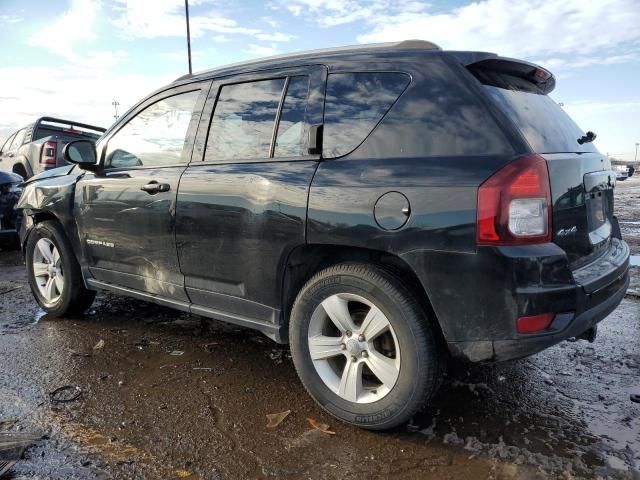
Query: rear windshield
[544, 124]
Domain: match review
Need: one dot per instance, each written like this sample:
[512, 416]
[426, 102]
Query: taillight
[514, 204]
[48, 155]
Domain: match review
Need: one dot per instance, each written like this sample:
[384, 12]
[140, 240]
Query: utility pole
[186, 9]
[636, 157]
[115, 104]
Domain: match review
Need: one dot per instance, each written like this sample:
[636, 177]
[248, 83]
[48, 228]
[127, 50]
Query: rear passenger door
[242, 209]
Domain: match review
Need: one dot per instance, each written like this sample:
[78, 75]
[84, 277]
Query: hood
[54, 172]
[8, 177]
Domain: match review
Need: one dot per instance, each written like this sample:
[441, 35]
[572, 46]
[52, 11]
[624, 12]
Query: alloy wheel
[354, 348]
[47, 270]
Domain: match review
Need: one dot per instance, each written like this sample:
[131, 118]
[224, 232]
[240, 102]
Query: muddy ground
[147, 411]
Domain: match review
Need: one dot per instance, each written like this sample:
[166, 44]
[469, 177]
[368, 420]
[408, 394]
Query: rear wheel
[54, 273]
[363, 347]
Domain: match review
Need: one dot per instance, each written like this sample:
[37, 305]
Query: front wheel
[363, 347]
[54, 273]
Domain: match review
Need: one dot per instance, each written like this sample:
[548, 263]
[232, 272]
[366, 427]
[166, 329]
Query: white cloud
[273, 23]
[10, 19]
[517, 28]
[166, 18]
[262, 50]
[77, 91]
[328, 13]
[588, 61]
[605, 118]
[221, 38]
[524, 28]
[62, 34]
[274, 37]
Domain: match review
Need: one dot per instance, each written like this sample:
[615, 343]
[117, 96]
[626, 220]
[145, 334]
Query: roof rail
[389, 46]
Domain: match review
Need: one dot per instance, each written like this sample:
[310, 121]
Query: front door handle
[155, 187]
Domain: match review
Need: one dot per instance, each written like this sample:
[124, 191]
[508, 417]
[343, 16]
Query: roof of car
[368, 48]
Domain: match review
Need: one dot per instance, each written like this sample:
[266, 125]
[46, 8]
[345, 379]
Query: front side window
[243, 120]
[355, 103]
[155, 136]
[7, 144]
[17, 141]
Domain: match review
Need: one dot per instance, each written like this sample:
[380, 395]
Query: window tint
[155, 136]
[7, 144]
[17, 141]
[291, 141]
[355, 103]
[243, 120]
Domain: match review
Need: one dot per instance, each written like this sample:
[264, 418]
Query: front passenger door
[126, 217]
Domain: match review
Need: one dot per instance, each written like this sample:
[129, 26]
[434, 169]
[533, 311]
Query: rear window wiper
[588, 138]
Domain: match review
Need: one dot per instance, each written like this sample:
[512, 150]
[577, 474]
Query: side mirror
[82, 153]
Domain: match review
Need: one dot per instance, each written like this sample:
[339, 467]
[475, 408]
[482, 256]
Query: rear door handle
[10, 154]
[155, 187]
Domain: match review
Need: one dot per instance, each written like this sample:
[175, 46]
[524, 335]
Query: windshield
[544, 124]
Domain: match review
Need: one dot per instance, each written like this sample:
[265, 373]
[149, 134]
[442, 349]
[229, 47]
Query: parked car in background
[10, 190]
[622, 172]
[380, 208]
[38, 146]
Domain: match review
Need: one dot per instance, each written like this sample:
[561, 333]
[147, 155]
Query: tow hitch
[588, 335]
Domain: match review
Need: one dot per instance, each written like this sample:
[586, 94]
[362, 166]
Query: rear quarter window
[355, 103]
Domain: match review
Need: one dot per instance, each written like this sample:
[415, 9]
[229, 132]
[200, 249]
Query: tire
[406, 353]
[63, 292]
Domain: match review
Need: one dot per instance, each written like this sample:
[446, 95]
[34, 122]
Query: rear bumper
[478, 309]
[564, 326]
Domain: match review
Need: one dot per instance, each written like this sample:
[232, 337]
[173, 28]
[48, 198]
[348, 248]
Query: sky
[73, 58]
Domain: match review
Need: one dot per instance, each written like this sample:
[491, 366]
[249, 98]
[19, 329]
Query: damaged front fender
[50, 197]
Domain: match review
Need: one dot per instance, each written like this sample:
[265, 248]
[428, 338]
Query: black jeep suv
[381, 208]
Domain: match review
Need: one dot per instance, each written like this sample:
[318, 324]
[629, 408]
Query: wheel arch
[36, 218]
[306, 260]
[21, 169]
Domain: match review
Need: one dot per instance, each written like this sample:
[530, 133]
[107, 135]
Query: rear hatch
[581, 178]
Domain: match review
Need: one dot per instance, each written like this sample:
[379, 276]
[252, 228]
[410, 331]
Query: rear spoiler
[68, 124]
[542, 78]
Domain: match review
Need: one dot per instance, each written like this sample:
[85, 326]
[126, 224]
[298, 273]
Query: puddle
[634, 260]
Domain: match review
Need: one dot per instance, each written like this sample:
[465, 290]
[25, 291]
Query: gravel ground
[148, 411]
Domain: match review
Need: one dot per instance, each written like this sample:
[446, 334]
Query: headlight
[11, 188]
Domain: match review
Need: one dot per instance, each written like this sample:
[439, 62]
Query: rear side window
[545, 125]
[243, 120]
[290, 141]
[355, 103]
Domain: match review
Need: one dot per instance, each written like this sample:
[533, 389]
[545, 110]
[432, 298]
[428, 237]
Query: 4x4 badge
[563, 232]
